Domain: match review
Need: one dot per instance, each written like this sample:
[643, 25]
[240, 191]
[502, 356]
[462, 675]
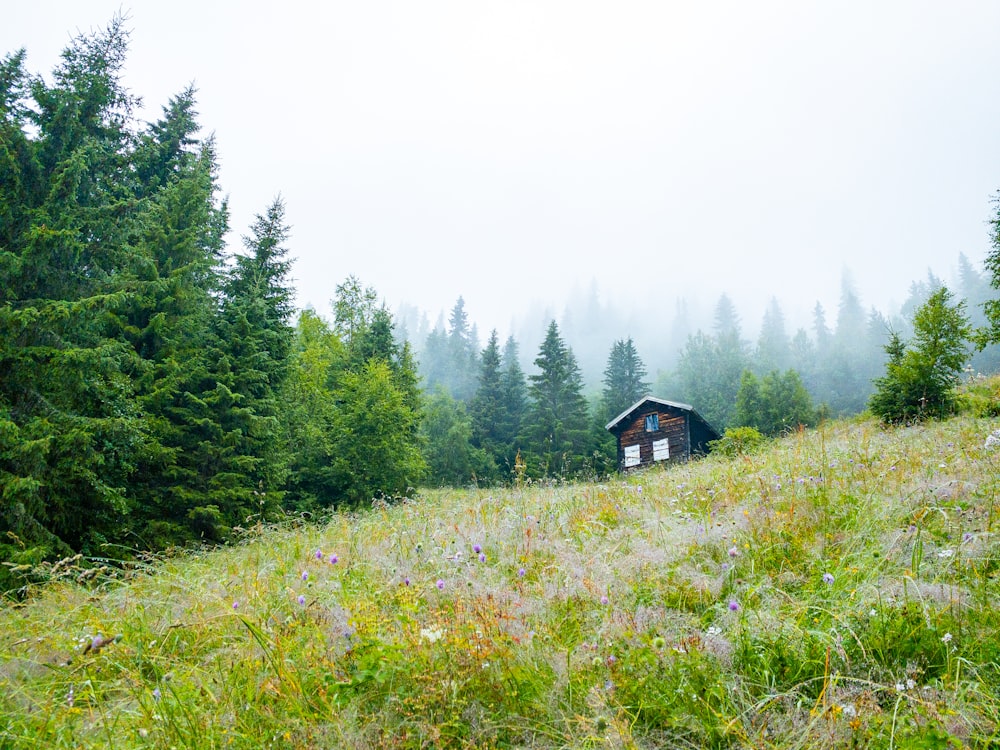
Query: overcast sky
[507, 151]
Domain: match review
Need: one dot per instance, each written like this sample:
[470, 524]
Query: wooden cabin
[654, 430]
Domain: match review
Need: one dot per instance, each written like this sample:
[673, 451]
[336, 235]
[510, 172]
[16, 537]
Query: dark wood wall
[673, 427]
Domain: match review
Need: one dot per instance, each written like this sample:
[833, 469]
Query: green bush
[738, 441]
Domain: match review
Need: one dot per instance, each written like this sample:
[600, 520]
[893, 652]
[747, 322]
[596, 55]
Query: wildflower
[482, 557]
[440, 584]
[714, 630]
[946, 638]
[967, 537]
[406, 581]
[828, 579]
[733, 605]
[733, 552]
[604, 599]
[476, 548]
[946, 553]
[156, 694]
[69, 697]
[305, 575]
[522, 572]
[334, 559]
[236, 605]
[302, 599]
[432, 635]
[319, 554]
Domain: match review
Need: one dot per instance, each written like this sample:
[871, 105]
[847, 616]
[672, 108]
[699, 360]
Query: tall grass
[836, 589]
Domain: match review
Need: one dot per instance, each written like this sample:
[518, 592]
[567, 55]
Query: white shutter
[661, 450]
[631, 455]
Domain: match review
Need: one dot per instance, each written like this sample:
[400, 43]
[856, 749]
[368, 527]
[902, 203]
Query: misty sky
[509, 151]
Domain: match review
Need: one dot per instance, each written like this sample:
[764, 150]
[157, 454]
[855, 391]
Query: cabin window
[661, 450]
[631, 455]
[652, 422]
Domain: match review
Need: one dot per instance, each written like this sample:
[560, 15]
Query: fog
[522, 154]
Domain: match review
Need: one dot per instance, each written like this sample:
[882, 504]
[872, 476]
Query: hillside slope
[836, 589]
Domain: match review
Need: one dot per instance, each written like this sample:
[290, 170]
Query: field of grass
[838, 588]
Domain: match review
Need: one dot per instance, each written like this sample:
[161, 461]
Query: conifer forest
[159, 388]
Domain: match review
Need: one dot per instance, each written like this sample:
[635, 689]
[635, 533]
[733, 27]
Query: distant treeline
[157, 389]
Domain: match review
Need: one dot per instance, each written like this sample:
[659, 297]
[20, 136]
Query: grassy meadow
[836, 588]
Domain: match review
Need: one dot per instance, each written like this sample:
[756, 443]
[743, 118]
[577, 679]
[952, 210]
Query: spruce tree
[69, 428]
[624, 379]
[921, 377]
[556, 425]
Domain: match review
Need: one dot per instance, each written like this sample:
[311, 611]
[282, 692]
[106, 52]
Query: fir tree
[920, 377]
[624, 379]
[556, 426]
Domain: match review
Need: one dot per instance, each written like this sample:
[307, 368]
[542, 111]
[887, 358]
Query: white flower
[432, 635]
[910, 684]
[946, 553]
[946, 638]
[714, 630]
[849, 710]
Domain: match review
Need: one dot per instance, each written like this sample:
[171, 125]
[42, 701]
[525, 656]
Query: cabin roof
[652, 399]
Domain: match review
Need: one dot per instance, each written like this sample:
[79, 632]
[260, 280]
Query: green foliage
[990, 332]
[446, 432]
[738, 441]
[710, 367]
[774, 404]
[920, 378]
[624, 379]
[556, 426]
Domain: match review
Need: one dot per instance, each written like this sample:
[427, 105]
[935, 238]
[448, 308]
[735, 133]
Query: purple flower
[319, 554]
[733, 605]
[156, 694]
[967, 536]
[305, 575]
[302, 599]
[440, 584]
[406, 581]
[733, 552]
[334, 559]
[476, 548]
[828, 579]
[522, 572]
[604, 600]
[482, 557]
[236, 605]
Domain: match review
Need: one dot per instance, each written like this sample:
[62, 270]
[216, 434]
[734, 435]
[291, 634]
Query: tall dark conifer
[624, 379]
[69, 433]
[556, 425]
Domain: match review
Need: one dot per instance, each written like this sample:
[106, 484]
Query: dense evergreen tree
[920, 377]
[624, 379]
[69, 432]
[556, 426]
[514, 405]
[254, 340]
